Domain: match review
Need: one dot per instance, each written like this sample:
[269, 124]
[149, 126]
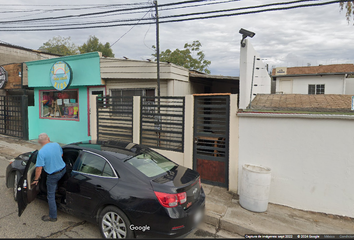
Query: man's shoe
[46, 218]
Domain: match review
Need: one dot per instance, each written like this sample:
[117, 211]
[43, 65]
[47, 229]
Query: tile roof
[312, 70]
[302, 102]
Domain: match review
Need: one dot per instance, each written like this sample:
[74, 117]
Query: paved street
[30, 225]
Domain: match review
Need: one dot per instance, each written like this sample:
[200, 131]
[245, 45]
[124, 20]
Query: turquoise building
[62, 88]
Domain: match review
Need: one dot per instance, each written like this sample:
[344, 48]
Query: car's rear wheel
[114, 223]
[17, 177]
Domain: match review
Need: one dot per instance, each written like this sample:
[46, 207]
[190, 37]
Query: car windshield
[151, 164]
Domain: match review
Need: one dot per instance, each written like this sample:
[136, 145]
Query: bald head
[43, 139]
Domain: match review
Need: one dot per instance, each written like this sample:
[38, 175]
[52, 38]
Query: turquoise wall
[62, 131]
[86, 72]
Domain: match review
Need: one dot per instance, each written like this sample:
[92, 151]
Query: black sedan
[127, 189]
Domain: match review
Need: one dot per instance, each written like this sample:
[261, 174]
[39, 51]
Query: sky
[297, 37]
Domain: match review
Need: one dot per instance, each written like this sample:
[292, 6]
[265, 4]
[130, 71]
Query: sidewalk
[224, 213]
[12, 147]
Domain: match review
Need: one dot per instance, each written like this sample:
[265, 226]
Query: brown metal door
[211, 138]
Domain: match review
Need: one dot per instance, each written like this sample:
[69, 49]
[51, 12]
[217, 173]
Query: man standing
[50, 159]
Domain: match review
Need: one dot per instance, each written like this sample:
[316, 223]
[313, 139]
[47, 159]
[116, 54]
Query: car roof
[119, 149]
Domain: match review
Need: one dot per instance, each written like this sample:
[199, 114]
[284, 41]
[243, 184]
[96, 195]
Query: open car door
[26, 192]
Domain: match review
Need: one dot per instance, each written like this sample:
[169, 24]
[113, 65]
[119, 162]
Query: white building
[322, 79]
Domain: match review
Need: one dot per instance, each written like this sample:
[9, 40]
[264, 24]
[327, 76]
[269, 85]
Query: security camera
[245, 33]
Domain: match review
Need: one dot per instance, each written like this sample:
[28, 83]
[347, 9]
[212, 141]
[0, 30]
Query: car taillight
[171, 200]
[182, 197]
[167, 200]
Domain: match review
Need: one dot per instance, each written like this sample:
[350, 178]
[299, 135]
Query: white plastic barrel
[254, 189]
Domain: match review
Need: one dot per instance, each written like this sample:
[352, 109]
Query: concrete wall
[17, 55]
[311, 159]
[333, 84]
[135, 69]
[252, 69]
[234, 144]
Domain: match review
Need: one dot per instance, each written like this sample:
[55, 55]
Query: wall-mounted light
[245, 33]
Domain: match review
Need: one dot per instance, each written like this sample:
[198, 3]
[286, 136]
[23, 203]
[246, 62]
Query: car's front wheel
[114, 223]
[17, 177]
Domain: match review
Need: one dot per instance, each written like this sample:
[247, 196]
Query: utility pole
[157, 49]
[158, 71]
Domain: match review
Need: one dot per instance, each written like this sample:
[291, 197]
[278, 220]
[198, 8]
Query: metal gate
[162, 122]
[14, 116]
[115, 118]
[211, 138]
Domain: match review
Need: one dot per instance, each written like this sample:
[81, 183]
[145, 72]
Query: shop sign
[3, 77]
[61, 75]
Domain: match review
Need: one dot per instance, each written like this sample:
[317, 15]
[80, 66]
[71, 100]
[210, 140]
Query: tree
[59, 45]
[349, 9]
[93, 45]
[191, 57]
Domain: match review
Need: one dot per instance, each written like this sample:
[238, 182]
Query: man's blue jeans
[52, 183]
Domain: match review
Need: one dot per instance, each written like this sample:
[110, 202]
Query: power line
[188, 19]
[102, 12]
[53, 5]
[121, 13]
[130, 29]
[56, 9]
[241, 8]
[173, 16]
[110, 6]
[173, 8]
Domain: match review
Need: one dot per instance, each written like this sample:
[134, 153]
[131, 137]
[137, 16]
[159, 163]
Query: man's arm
[37, 175]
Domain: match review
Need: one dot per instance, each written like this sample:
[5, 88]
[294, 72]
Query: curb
[221, 224]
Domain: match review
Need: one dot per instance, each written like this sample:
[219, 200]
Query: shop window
[59, 104]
